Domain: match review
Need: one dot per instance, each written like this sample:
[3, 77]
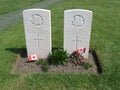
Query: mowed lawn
[105, 39]
[12, 5]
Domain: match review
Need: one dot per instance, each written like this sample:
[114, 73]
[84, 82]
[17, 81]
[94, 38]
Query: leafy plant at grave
[78, 59]
[40, 61]
[58, 57]
[87, 65]
[44, 64]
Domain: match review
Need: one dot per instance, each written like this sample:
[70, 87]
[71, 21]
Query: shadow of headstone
[97, 62]
[21, 51]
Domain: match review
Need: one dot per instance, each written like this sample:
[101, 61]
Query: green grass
[105, 39]
[12, 5]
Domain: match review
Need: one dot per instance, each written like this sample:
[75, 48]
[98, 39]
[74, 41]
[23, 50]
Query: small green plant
[44, 64]
[40, 61]
[87, 65]
[58, 57]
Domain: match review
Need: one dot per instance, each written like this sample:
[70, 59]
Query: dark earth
[22, 66]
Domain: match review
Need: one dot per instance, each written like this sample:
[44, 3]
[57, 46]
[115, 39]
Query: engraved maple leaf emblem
[37, 20]
[77, 21]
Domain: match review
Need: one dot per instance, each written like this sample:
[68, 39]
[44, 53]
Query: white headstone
[77, 30]
[37, 25]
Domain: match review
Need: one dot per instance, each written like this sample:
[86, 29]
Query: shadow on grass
[56, 48]
[21, 51]
[96, 60]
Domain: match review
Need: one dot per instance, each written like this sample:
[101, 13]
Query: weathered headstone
[77, 30]
[37, 25]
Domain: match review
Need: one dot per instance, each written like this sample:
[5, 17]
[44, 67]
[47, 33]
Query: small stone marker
[37, 25]
[77, 30]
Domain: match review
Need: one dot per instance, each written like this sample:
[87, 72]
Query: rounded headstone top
[82, 10]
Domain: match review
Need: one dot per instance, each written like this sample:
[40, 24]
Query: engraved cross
[38, 39]
[77, 41]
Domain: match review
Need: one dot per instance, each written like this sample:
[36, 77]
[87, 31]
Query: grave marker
[37, 25]
[77, 30]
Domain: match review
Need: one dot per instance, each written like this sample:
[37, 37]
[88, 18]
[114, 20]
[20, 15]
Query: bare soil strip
[24, 67]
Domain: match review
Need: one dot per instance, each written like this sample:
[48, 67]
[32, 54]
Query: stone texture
[37, 25]
[77, 30]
